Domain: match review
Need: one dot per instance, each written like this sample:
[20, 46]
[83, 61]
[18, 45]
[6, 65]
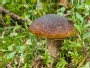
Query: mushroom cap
[52, 26]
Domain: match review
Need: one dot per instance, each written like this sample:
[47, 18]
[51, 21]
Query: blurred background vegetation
[19, 48]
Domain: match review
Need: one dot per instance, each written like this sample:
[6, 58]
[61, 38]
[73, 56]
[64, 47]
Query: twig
[83, 60]
[12, 15]
[67, 14]
[83, 45]
[85, 51]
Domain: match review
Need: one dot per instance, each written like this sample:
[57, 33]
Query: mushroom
[55, 28]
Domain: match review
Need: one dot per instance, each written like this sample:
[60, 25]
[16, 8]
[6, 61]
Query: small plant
[19, 48]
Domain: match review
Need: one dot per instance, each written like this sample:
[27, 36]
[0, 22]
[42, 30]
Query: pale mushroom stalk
[53, 46]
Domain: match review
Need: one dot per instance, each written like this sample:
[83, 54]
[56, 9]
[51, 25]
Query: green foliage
[61, 64]
[20, 47]
[11, 55]
[46, 58]
[87, 65]
[88, 2]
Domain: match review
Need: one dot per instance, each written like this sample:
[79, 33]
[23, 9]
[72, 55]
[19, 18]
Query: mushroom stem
[54, 46]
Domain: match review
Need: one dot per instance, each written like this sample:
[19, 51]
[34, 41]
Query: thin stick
[83, 45]
[83, 60]
[67, 14]
[12, 15]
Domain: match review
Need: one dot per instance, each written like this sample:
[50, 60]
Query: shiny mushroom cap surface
[52, 26]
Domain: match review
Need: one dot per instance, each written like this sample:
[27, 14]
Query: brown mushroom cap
[52, 26]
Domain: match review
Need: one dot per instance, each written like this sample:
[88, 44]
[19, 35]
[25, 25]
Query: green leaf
[86, 35]
[77, 27]
[88, 2]
[87, 65]
[7, 19]
[87, 7]
[21, 49]
[79, 17]
[4, 2]
[46, 57]
[17, 0]
[61, 9]
[10, 48]
[87, 25]
[8, 1]
[0, 58]
[29, 42]
[16, 28]
[39, 6]
[22, 56]
[13, 34]
[61, 64]
[0, 2]
[11, 55]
